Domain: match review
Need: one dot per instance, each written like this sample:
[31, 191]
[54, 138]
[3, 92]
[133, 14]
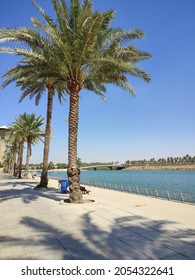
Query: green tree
[79, 162]
[51, 165]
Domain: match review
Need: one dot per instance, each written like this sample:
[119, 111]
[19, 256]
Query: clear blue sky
[158, 122]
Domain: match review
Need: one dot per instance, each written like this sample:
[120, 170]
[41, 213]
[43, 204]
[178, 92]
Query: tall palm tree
[35, 74]
[89, 54]
[19, 133]
[92, 55]
[11, 143]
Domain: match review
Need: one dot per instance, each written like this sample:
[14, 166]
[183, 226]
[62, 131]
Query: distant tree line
[187, 159]
[52, 165]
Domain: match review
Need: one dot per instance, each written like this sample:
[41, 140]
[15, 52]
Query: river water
[173, 180]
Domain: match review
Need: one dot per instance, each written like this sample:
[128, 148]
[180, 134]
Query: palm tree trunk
[17, 162]
[14, 161]
[44, 173]
[21, 149]
[28, 154]
[73, 172]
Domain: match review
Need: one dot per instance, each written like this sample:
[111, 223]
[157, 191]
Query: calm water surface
[176, 180]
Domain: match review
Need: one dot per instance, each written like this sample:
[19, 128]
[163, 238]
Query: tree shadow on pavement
[129, 237]
[25, 190]
[134, 237]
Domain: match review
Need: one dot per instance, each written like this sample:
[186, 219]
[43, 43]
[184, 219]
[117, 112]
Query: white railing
[183, 197]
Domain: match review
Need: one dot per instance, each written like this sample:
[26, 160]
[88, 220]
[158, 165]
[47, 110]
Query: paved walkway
[35, 225]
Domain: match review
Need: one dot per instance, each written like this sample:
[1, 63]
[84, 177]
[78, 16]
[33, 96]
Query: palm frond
[47, 18]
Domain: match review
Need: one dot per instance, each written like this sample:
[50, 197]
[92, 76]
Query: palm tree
[11, 143]
[32, 133]
[89, 54]
[19, 133]
[26, 128]
[92, 55]
[35, 75]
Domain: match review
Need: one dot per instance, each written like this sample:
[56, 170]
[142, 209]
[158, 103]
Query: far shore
[165, 167]
[141, 167]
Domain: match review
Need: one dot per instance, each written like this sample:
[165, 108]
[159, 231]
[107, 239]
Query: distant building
[3, 131]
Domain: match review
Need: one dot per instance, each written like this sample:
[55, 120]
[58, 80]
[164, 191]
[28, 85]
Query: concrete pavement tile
[80, 247]
[16, 233]
[184, 227]
[120, 232]
[153, 235]
[52, 254]
[22, 257]
[106, 215]
[33, 231]
[176, 257]
[151, 249]
[86, 251]
[190, 254]
[175, 244]
[72, 219]
[47, 240]
[161, 226]
[38, 247]
[138, 229]
[16, 249]
[156, 251]
[116, 249]
[74, 238]
[6, 225]
[95, 234]
[186, 236]
[9, 229]
[135, 240]
[129, 221]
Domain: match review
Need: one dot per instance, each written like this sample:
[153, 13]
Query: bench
[84, 190]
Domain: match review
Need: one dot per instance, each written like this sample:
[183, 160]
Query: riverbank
[165, 167]
[141, 167]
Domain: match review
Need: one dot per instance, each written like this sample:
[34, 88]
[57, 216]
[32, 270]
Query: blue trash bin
[64, 186]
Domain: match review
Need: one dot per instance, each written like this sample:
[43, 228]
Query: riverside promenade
[37, 224]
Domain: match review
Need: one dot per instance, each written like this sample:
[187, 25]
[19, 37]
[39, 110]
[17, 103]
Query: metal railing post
[168, 196]
[182, 200]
